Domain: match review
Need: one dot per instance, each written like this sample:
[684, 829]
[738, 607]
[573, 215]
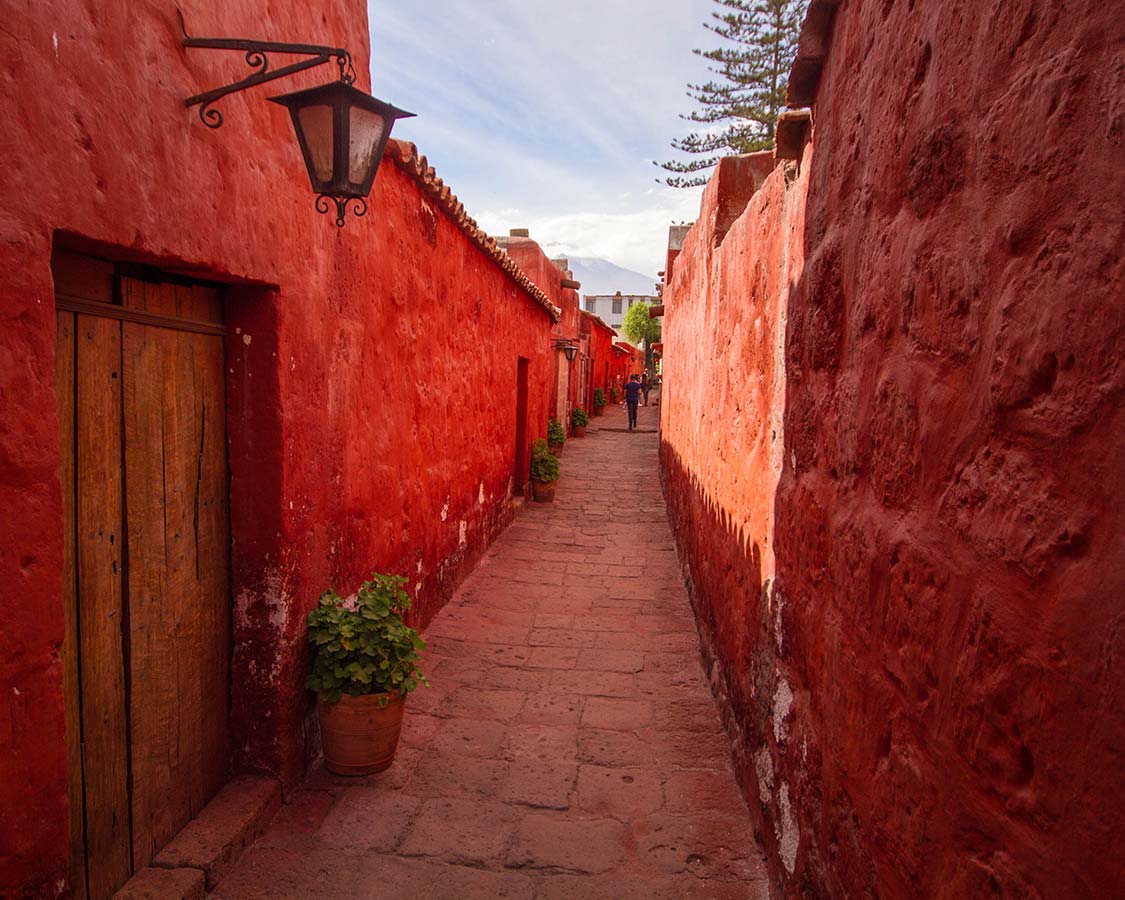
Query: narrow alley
[330, 566]
[568, 745]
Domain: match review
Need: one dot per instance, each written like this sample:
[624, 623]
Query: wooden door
[147, 650]
[562, 408]
[522, 465]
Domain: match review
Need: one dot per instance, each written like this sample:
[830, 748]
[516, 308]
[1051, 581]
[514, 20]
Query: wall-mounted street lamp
[568, 347]
[342, 131]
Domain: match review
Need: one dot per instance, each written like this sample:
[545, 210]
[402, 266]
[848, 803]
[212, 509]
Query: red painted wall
[722, 445]
[544, 274]
[600, 342]
[897, 486]
[349, 353]
[626, 360]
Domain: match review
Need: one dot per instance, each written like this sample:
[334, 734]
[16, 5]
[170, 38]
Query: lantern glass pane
[316, 123]
[363, 138]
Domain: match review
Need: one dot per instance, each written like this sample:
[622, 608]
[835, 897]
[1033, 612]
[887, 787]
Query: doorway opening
[521, 468]
[146, 653]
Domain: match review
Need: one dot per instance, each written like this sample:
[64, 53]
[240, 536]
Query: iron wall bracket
[257, 57]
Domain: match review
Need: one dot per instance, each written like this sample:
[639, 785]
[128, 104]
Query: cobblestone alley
[568, 745]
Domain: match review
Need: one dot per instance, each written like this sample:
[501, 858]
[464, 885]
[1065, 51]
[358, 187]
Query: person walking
[633, 392]
[645, 385]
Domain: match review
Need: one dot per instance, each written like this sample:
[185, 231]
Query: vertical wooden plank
[185, 596]
[206, 305]
[100, 612]
[176, 488]
[149, 296]
[154, 704]
[64, 396]
[212, 546]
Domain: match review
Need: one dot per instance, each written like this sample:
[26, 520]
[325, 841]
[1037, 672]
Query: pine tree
[739, 108]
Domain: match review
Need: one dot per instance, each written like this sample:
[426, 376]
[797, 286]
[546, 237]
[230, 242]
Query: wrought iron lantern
[569, 348]
[342, 131]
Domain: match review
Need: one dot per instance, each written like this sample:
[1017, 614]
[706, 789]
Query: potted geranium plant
[365, 662]
[544, 472]
[578, 421]
[599, 401]
[556, 436]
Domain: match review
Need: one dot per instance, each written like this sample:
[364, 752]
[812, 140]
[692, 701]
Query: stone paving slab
[569, 746]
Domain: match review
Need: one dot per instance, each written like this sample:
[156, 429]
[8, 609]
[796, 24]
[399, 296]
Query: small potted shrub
[599, 401]
[544, 472]
[556, 436]
[615, 392]
[579, 420]
[365, 662]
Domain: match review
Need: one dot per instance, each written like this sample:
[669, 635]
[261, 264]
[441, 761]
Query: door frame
[82, 273]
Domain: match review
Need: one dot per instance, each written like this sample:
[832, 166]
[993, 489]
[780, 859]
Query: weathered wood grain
[100, 576]
[64, 393]
[179, 608]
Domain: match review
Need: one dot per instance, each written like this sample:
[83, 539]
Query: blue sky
[547, 115]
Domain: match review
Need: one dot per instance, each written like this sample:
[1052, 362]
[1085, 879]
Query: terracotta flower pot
[543, 491]
[580, 431]
[598, 410]
[359, 736]
[556, 449]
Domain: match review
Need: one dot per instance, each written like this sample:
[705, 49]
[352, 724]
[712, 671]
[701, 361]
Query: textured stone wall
[545, 275]
[722, 443]
[897, 484]
[600, 338]
[371, 369]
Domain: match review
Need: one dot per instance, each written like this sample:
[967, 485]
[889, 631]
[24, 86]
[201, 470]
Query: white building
[610, 308]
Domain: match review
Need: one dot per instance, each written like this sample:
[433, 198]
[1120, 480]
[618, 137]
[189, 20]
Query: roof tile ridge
[405, 155]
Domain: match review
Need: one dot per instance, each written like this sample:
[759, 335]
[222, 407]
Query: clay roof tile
[406, 157]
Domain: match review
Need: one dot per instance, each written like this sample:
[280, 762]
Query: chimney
[519, 232]
[676, 235]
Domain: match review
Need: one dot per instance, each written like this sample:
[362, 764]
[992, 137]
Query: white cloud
[546, 115]
[635, 240]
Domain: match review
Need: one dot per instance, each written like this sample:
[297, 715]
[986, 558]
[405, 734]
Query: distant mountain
[600, 276]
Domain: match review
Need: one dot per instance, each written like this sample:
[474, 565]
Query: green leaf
[367, 649]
